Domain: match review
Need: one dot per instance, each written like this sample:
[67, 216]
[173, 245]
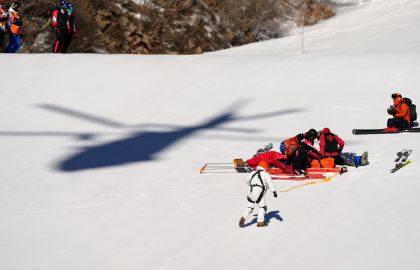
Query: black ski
[400, 165]
[401, 160]
[405, 155]
[400, 155]
[383, 131]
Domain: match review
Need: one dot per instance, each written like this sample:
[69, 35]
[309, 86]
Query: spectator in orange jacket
[400, 111]
[14, 26]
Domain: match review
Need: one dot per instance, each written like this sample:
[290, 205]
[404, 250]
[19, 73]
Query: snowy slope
[100, 154]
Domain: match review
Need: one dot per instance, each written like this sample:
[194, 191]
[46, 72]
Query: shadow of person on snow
[268, 217]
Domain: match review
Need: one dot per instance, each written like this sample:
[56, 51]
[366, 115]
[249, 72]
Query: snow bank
[100, 154]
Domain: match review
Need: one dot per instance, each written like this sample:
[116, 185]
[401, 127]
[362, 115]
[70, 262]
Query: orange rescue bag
[323, 163]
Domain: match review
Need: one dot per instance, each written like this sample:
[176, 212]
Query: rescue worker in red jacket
[303, 156]
[72, 27]
[14, 26]
[331, 145]
[400, 111]
[273, 158]
[61, 26]
[3, 19]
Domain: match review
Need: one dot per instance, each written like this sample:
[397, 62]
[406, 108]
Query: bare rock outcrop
[168, 26]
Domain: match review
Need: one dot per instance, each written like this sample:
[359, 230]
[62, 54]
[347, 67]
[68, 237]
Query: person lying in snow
[331, 145]
[272, 158]
[259, 182]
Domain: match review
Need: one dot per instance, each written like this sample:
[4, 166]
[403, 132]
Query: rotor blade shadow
[83, 135]
[270, 114]
[83, 116]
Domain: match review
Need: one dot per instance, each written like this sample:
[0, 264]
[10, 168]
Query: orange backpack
[16, 22]
[323, 163]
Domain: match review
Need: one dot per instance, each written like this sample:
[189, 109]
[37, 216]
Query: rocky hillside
[169, 26]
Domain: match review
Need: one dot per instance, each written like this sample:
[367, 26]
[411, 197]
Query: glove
[275, 194]
[391, 112]
[300, 136]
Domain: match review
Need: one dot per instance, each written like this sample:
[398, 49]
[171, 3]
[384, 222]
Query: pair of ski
[384, 131]
[401, 160]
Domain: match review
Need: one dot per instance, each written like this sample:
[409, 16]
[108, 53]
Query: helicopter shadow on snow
[142, 146]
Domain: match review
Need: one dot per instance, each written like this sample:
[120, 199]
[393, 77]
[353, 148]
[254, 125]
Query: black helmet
[395, 95]
[311, 134]
[15, 6]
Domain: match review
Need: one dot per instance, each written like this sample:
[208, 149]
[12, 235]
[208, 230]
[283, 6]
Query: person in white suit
[259, 182]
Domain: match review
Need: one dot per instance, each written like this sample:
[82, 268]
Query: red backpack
[330, 143]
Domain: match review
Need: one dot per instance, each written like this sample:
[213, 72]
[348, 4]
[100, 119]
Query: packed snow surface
[100, 154]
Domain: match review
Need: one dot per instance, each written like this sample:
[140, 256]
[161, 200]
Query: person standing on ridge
[72, 27]
[61, 26]
[14, 27]
[3, 19]
[259, 182]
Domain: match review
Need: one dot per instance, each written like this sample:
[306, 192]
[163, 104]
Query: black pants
[2, 34]
[398, 123]
[300, 160]
[338, 160]
[67, 41]
[61, 35]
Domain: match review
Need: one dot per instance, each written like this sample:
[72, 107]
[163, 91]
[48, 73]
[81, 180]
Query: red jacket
[330, 145]
[272, 158]
[60, 20]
